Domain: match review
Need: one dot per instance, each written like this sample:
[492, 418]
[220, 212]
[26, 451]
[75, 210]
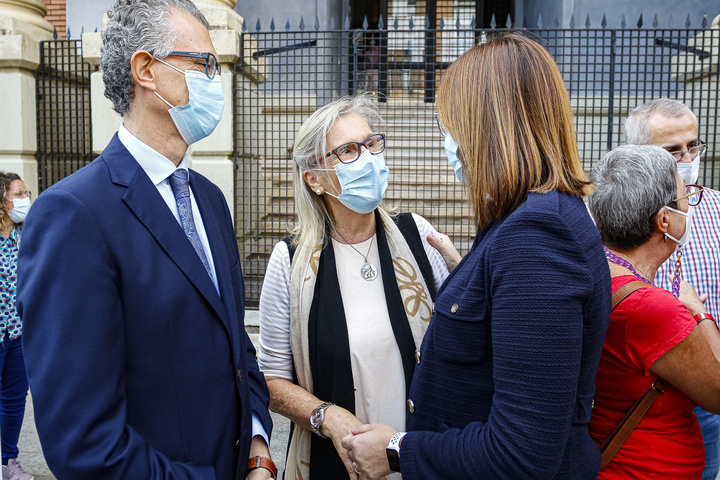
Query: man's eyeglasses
[349, 152]
[212, 67]
[694, 151]
[21, 194]
[694, 194]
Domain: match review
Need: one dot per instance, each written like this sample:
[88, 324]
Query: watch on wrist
[318, 416]
[393, 451]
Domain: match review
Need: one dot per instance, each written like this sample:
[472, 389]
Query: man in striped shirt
[673, 126]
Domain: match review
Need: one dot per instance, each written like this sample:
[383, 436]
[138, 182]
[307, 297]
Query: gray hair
[633, 183]
[636, 128]
[309, 154]
[135, 25]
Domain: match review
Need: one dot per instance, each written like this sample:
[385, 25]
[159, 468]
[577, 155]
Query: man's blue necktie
[181, 191]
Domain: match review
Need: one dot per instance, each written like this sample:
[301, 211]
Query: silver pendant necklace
[368, 272]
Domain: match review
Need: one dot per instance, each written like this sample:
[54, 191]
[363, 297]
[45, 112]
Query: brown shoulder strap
[622, 431]
[623, 292]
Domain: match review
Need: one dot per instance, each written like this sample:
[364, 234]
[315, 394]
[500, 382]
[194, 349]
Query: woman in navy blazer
[504, 383]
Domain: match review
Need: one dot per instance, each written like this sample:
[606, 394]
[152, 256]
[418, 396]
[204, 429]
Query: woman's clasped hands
[365, 446]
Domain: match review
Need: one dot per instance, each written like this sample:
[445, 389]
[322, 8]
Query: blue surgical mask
[201, 115]
[21, 207]
[362, 183]
[451, 150]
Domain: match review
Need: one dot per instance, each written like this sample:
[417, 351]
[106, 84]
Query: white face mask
[688, 227]
[21, 207]
[690, 171]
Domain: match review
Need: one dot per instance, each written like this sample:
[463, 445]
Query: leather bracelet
[262, 462]
[703, 316]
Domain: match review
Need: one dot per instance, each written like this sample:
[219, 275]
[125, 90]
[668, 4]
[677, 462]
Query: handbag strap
[622, 431]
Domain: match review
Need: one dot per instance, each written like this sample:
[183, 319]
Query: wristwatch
[393, 451]
[318, 416]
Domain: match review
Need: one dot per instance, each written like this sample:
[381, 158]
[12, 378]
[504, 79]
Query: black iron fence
[64, 127]
[287, 73]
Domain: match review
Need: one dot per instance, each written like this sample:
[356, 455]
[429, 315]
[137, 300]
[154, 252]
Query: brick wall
[56, 16]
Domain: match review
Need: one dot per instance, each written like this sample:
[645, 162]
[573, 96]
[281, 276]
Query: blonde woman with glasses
[347, 298]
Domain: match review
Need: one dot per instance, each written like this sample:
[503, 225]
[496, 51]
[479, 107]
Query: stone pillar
[22, 27]
[702, 84]
[214, 156]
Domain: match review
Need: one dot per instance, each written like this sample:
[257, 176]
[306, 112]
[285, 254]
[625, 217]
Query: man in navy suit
[130, 286]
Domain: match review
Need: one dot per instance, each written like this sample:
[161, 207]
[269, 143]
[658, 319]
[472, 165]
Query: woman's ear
[142, 68]
[312, 180]
[662, 220]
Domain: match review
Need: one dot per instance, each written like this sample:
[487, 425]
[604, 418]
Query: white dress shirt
[159, 168]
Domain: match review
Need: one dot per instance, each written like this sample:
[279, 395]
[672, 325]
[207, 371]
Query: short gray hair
[135, 25]
[633, 183]
[311, 146]
[636, 128]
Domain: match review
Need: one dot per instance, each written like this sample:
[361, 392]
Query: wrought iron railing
[64, 125]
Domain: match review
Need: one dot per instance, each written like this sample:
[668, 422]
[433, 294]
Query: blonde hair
[309, 154]
[505, 104]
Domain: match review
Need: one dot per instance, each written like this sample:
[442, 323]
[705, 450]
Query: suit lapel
[219, 253]
[149, 207]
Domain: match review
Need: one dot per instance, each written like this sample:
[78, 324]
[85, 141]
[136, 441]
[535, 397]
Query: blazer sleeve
[539, 284]
[74, 349]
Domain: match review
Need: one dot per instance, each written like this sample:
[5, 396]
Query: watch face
[315, 418]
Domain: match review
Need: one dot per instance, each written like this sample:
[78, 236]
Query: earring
[318, 191]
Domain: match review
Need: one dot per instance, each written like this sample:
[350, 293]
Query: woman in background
[14, 206]
[643, 211]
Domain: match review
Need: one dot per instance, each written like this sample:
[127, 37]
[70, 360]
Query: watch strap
[393, 451]
[262, 462]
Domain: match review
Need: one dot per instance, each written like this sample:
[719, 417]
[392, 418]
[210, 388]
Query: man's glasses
[349, 152]
[212, 67]
[694, 194]
[694, 151]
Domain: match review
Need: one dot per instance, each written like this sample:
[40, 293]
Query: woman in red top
[643, 211]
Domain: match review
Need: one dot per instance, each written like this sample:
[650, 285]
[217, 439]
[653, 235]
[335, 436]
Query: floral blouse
[9, 318]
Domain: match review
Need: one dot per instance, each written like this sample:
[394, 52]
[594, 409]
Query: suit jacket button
[454, 308]
[417, 356]
[237, 444]
[239, 376]
[411, 406]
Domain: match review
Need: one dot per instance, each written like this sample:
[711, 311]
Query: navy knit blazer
[506, 376]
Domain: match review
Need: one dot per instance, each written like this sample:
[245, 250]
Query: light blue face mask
[451, 150]
[21, 207]
[201, 115]
[362, 183]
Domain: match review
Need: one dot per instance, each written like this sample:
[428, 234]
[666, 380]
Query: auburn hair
[505, 104]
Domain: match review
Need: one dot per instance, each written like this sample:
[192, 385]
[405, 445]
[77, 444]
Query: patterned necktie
[181, 191]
